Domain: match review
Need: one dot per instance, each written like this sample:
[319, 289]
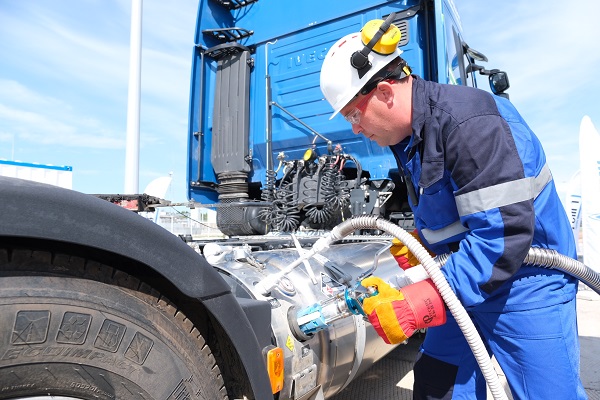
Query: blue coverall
[479, 186]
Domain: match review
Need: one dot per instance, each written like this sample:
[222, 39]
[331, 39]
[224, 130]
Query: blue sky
[63, 88]
[551, 52]
[64, 67]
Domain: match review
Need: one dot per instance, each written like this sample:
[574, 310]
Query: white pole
[132, 146]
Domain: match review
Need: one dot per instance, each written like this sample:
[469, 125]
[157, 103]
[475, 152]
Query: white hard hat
[340, 80]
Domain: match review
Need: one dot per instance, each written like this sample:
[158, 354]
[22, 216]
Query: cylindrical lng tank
[333, 357]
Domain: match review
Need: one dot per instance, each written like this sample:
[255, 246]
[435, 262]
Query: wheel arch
[55, 219]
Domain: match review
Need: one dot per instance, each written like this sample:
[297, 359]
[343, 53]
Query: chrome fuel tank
[333, 357]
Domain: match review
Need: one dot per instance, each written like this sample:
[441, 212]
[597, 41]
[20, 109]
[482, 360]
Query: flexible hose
[538, 257]
[545, 258]
[458, 311]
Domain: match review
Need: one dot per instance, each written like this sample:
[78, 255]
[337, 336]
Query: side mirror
[499, 82]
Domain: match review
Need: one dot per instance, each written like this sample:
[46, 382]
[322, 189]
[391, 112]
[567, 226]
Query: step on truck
[97, 302]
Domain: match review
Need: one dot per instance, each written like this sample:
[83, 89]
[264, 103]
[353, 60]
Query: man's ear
[386, 90]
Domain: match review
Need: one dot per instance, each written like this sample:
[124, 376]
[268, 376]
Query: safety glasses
[354, 116]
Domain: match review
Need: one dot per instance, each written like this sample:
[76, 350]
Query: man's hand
[403, 256]
[397, 314]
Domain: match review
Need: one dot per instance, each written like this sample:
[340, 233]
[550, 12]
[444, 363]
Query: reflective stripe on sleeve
[503, 194]
[438, 235]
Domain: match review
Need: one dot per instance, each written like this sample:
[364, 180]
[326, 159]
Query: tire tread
[32, 262]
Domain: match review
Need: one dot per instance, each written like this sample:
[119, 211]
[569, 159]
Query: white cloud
[539, 45]
[166, 76]
[42, 119]
[47, 45]
[46, 129]
[15, 93]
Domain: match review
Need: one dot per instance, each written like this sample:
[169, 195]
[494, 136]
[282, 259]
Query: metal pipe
[268, 113]
[301, 122]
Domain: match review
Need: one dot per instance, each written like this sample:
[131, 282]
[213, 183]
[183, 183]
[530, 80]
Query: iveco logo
[304, 58]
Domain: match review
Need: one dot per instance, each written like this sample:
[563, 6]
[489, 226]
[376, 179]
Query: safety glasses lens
[353, 116]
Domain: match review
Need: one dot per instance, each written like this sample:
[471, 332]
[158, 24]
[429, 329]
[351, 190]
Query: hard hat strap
[396, 69]
[359, 59]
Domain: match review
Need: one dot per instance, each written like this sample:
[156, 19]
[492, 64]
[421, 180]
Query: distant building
[61, 176]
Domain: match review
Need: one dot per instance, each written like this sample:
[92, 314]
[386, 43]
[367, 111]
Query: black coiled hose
[268, 193]
[328, 182]
[320, 215]
[286, 214]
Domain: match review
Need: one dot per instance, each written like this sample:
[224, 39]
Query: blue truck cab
[260, 140]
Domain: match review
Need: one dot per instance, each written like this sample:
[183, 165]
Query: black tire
[70, 327]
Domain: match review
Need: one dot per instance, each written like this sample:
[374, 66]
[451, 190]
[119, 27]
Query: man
[479, 187]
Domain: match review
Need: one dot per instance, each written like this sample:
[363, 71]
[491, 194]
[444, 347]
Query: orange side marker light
[275, 368]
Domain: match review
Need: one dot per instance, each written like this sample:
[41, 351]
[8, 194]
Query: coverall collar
[419, 107]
